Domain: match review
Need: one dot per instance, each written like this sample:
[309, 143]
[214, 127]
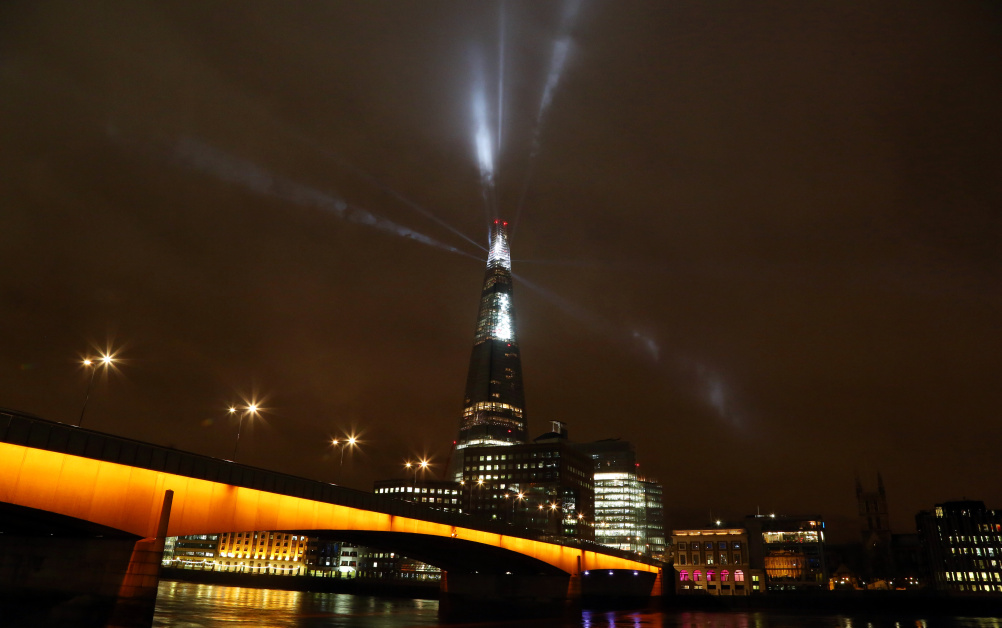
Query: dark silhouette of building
[494, 405]
[875, 533]
[963, 543]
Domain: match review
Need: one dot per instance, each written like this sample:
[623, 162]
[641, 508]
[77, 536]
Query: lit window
[739, 576]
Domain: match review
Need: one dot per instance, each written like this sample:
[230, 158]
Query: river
[189, 605]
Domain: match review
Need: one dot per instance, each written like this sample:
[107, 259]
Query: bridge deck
[90, 475]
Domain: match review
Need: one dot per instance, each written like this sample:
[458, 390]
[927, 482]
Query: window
[737, 558]
[708, 545]
[681, 546]
[697, 575]
[724, 575]
[722, 545]
[723, 558]
[681, 559]
[695, 559]
[709, 576]
[739, 576]
[683, 575]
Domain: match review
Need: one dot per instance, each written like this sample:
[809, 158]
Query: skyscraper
[494, 406]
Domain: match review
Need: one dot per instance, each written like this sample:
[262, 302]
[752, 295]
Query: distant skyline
[761, 242]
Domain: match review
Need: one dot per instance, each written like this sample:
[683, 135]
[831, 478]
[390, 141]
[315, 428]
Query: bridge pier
[137, 596]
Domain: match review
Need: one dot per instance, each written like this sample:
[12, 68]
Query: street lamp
[420, 465]
[105, 361]
[252, 410]
[347, 442]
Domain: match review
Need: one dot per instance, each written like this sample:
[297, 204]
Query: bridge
[127, 496]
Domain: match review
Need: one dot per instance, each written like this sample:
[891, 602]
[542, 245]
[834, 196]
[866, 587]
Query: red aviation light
[505, 223]
[497, 221]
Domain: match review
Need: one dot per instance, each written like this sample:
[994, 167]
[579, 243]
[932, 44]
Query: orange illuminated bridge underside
[129, 498]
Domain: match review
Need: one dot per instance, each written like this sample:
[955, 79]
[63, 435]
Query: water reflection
[187, 605]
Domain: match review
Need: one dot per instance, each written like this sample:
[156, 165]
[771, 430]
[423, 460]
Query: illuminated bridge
[135, 494]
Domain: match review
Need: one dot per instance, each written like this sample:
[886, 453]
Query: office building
[629, 509]
[962, 541]
[544, 485]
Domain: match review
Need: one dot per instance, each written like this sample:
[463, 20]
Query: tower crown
[499, 255]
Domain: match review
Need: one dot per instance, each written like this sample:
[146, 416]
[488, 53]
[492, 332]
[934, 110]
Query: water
[189, 605]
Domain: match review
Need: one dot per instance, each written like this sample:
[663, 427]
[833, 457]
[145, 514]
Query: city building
[323, 557]
[653, 522]
[440, 494]
[791, 550]
[714, 561]
[494, 404]
[963, 544]
[197, 551]
[262, 552]
[391, 566]
[545, 485]
[629, 509]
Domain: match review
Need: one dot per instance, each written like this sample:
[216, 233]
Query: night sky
[761, 240]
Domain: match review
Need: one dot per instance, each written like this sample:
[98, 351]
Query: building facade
[714, 561]
[197, 551]
[544, 485]
[263, 552]
[963, 544]
[629, 509]
[791, 550]
[653, 524]
[439, 494]
[258, 552]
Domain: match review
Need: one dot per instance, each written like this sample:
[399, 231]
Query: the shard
[494, 406]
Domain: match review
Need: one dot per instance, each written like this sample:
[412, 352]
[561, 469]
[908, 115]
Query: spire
[493, 408]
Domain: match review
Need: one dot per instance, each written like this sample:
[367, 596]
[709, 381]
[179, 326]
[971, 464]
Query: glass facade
[629, 509]
[494, 404]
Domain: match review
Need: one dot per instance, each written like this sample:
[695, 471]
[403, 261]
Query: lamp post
[252, 410]
[106, 361]
[420, 465]
[349, 441]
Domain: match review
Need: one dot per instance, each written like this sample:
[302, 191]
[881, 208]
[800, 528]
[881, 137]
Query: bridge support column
[466, 596]
[137, 597]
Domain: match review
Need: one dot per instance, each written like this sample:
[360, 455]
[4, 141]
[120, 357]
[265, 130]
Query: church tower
[494, 405]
